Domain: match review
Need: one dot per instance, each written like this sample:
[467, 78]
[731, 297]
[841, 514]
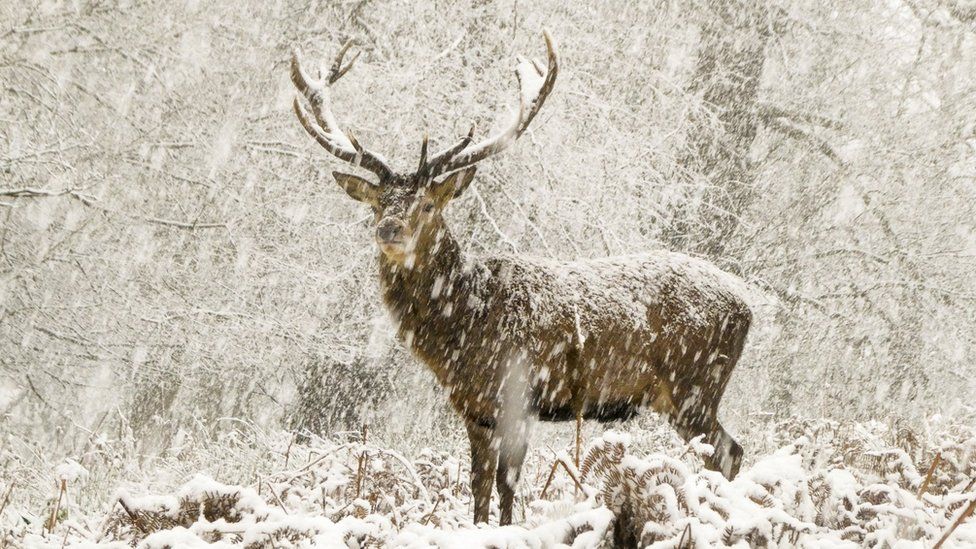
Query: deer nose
[389, 230]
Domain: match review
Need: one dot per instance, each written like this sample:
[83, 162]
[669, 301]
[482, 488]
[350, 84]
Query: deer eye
[428, 208]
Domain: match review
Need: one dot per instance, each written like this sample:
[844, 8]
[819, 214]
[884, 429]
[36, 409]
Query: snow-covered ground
[828, 485]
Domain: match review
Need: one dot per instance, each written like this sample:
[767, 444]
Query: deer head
[408, 206]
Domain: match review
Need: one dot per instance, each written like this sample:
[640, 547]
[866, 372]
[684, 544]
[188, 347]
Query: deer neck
[427, 299]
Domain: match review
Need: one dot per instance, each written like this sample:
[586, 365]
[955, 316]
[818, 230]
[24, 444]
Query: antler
[534, 87]
[436, 164]
[324, 128]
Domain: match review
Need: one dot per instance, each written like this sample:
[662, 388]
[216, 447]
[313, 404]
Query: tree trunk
[727, 77]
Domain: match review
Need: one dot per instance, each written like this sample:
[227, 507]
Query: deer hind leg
[510, 458]
[484, 459]
[699, 414]
[727, 457]
[728, 453]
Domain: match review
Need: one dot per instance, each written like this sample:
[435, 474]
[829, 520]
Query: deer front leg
[484, 459]
[510, 459]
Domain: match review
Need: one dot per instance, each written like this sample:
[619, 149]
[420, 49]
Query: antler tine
[324, 128]
[438, 160]
[547, 84]
[338, 71]
[360, 151]
[530, 103]
[423, 155]
[313, 129]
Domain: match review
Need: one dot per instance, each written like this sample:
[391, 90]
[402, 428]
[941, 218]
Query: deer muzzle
[390, 233]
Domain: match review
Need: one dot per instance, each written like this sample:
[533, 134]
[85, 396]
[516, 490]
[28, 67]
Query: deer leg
[727, 457]
[483, 462]
[510, 459]
[697, 405]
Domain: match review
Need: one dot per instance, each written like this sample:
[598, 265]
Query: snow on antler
[324, 128]
[535, 85]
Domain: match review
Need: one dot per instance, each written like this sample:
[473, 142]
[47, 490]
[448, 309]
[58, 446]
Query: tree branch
[800, 133]
[28, 192]
[766, 111]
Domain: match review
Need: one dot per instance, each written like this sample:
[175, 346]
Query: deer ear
[357, 187]
[454, 185]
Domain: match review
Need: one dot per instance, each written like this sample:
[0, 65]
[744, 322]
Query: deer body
[598, 338]
[626, 331]
[515, 338]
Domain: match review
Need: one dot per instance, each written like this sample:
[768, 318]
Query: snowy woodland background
[181, 281]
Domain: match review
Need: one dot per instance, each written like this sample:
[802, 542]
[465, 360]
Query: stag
[512, 337]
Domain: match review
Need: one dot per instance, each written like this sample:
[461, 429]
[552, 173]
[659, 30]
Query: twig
[28, 192]
[277, 499]
[559, 461]
[136, 519]
[579, 433]
[767, 111]
[6, 498]
[458, 483]
[962, 518]
[579, 437]
[360, 472]
[274, 150]
[299, 472]
[288, 450]
[799, 133]
[428, 516]
[525, 217]
[552, 473]
[184, 224]
[928, 476]
[685, 534]
[57, 507]
[491, 220]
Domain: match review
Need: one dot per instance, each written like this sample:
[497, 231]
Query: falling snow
[711, 284]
